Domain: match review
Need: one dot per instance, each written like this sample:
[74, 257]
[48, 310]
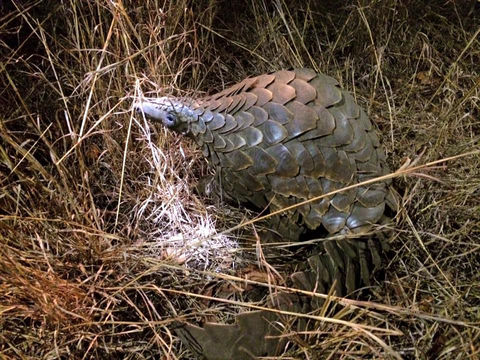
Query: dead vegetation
[102, 227]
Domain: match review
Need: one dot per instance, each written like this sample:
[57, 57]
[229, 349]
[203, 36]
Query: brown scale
[280, 139]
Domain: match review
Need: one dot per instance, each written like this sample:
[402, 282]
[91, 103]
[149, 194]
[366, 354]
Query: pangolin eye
[169, 120]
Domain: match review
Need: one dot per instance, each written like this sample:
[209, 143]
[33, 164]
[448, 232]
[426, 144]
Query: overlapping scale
[230, 124]
[244, 119]
[217, 122]
[325, 124]
[304, 119]
[273, 132]
[327, 95]
[263, 162]
[343, 132]
[278, 113]
[361, 215]
[259, 114]
[251, 135]
[263, 81]
[225, 102]
[237, 141]
[218, 142]
[287, 166]
[250, 100]
[263, 95]
[304, 91]
[319, 162]
[284, 76]
[305, 74]
[302, 156]
[281, 92]
[240, 160]
[237, 102]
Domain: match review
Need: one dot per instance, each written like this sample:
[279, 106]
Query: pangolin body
[279, 139]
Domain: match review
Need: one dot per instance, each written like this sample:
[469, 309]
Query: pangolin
[276, 140]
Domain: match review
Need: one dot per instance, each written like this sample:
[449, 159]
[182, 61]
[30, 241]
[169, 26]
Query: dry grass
[102, 230]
